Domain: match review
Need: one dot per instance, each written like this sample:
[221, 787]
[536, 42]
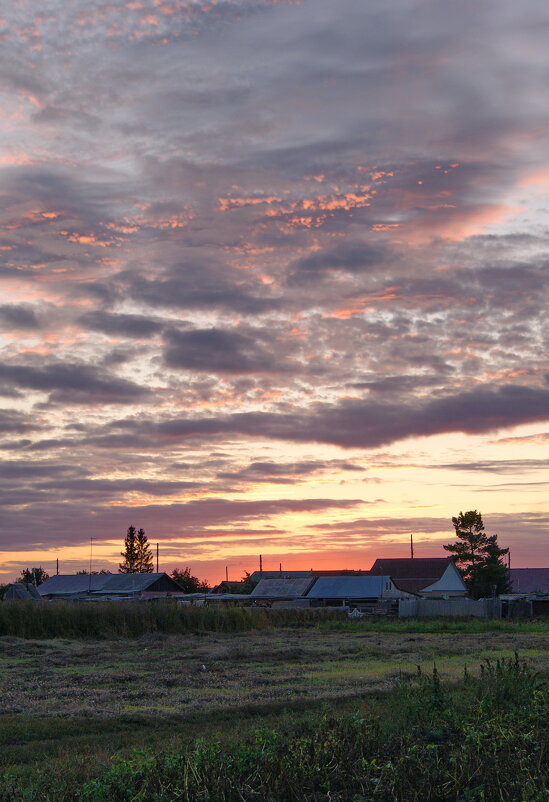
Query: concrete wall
[423, 608]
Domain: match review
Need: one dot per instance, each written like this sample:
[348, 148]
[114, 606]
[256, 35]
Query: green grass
[482, 740]
[287, 680]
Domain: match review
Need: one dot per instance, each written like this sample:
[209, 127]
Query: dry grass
[172, 675]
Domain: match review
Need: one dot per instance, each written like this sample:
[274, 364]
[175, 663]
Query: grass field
[68, 705]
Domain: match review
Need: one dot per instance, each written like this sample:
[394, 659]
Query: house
[529, 581]
[109, 586]
[355, 590]
[282, 588]
[22, 591]
[427, 576]
[228, 586]
[256, 576]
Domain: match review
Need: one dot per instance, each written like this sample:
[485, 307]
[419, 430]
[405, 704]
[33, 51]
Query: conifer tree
[130, 555]
[478, 556]
[144, 555]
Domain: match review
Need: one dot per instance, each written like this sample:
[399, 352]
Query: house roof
[348, 587]
[529, 580]
[22, 591]
[256, 576]
[295, 586]
[423, 569]
[71, 584]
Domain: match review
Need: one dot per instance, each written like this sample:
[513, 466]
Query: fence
[427, 608]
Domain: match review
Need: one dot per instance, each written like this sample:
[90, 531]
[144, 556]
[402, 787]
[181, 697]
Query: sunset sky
[273, 280]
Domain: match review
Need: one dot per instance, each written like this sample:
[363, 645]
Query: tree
[130, 555]
[144, 554]
[479, 557]
[188, 582]
[33, 576]
[93, 573]
[249, 583]
[137, 553]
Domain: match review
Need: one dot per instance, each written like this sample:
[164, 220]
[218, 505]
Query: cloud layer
[245, 243]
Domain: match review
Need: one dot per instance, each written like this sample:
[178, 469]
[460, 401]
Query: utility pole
[157, 571]
[226, 573]
[411, 546]
[90, 576]
[57, 567]
[260, 565]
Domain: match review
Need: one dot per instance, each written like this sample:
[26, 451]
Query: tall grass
[132, 619]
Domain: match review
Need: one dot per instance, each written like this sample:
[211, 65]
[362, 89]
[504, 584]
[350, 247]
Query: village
[403, 587]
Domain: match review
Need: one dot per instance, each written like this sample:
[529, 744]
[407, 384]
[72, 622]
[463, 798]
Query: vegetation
[484, 737]
[485, 741]
[249, 583]
[33, 576]
[137, 553]
[479, 557]
[188, 582]
[132, 619]
[99, 620]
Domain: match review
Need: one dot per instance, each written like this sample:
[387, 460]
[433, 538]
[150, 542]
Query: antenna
[260, 564]
[157, 571]
[411, 546]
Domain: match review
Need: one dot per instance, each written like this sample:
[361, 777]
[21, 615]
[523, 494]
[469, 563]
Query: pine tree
[130, 555]
[144, 556]
[478, 556]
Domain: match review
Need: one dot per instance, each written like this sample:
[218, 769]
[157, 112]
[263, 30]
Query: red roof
[411, 574]
[530, 580]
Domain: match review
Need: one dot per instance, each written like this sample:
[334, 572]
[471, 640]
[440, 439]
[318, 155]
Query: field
[68, 705]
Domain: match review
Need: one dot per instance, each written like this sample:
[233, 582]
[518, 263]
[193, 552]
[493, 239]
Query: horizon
[274, 279]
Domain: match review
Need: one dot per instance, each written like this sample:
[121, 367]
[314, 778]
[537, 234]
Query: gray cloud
[73, 383]
[219, 351]
[19, 317]
[369, 424]
[343, 247]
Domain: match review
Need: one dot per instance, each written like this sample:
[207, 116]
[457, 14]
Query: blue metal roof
[348, 587]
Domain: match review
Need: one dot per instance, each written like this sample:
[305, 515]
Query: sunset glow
[274, 281]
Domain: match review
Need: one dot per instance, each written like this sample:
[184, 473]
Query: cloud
[268, 258]
[220, 351]
[19, 317]
[369, 424]
[73, 383]
[349, 257]
[122, 325]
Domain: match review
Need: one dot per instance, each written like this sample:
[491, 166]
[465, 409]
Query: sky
[272, 280]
